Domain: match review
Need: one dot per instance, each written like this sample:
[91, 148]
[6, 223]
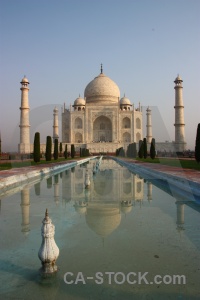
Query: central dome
[102, 89]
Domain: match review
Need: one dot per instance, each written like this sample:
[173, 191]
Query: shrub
[55, 152]
[60, 148]
[153, 149]
[141, 149]
[197, 144]
[72, 151]
[145, 147]
[36, 150]
[65, 152]
[48, 148]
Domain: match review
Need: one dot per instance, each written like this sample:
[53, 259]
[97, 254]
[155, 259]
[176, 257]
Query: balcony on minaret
[24, 83]
[178, 81]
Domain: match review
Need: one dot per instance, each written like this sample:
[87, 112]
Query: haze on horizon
[59, 46]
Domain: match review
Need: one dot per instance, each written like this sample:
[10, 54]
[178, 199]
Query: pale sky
[59, 45]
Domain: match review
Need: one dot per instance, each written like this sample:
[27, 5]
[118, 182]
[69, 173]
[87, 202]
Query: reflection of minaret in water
[149, 191]
[180, 215]
[56, 189]
[25, 208]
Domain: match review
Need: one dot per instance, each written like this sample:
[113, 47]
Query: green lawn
[20, 164]
[187, 164]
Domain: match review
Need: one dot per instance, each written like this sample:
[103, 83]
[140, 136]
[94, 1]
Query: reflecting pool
[114, 238]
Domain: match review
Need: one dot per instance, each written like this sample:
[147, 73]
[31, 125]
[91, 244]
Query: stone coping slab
[185, 179]
[19, 176]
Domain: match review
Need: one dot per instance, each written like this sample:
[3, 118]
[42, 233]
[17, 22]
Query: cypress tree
[87, 152]
[141, 149]
[65, 152]
[131, 150]
[55, 152]
[145, 147]
[153, 149]
[134, 150]
[197, 144]
[36, 151]
[60, 149]
[121, 152]
[117, 152]
[72, 151]
[48, 148]
[128, 152]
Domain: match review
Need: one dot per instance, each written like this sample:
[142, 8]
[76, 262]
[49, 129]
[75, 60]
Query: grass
[184, 163]
[27, 163]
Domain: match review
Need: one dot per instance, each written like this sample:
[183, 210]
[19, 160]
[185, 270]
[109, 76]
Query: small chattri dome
[178, 78]
[79, 101]
[80, 209]
[24, 80]
[125, 101]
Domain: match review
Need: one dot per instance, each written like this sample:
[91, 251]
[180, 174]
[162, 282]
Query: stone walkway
[189, 174]
[25, 170]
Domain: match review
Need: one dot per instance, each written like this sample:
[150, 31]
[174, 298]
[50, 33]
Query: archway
[78, 123]
[138, 123]
[126, 137]
[138, 137]
[102, 130]
[126, 123]
[78, 137]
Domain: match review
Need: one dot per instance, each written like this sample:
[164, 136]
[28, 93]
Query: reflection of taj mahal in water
[113, 192]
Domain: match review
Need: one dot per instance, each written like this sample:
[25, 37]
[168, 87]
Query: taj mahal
[102, 121]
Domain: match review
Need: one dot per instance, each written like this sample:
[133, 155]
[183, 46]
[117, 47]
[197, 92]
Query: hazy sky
[59, 45]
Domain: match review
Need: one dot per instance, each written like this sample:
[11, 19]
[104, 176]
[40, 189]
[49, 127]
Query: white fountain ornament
[48, 252]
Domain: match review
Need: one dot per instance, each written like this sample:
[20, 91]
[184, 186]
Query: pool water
[111, 234]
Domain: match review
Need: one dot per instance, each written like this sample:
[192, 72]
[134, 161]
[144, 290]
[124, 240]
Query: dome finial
[101, 68]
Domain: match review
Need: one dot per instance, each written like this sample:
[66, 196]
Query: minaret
[24, 146]
[55, 124]
[149, 125]
[180, 143]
